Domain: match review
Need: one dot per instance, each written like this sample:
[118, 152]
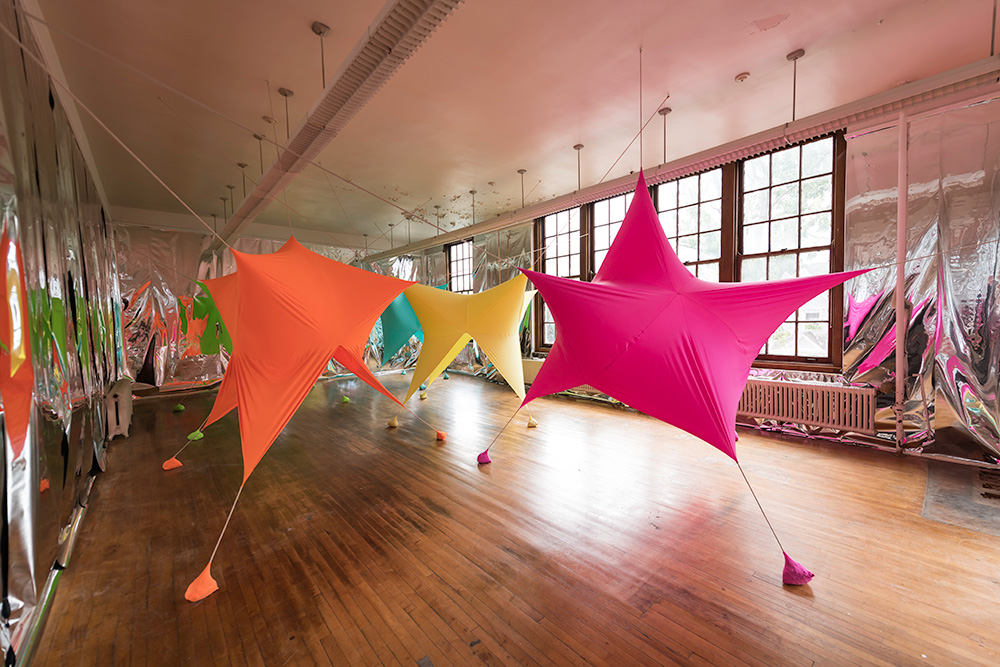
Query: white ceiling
[498, 87]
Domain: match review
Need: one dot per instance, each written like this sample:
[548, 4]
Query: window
[691, 215]
[787, 231]
[778, 215]
[460, 269]
[608, 216]
[561, 253]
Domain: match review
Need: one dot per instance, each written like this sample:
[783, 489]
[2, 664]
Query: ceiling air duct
[398, 31]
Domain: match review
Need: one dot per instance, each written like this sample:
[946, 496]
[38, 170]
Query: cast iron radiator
[826, 405]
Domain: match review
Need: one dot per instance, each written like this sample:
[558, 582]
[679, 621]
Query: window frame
[835, 332]
[731, 254]
[539, 257]
[472, 268]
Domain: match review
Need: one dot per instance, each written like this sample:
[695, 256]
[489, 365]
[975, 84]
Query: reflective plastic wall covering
[171, 337]
[952, 266]
[955, 160]
[52, 214]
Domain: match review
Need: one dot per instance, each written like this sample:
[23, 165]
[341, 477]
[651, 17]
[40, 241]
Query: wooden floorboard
[601, 537]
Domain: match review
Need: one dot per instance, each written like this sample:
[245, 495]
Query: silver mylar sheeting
[51, 210]
[958, 158]
[870, 326]
[156, 268]
[157, 273]
[953, 264]
[496, 258]
[953, 157]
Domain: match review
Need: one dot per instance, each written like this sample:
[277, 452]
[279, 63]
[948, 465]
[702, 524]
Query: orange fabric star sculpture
[289, 313]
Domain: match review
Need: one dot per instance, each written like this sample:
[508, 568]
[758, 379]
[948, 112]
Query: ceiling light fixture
[522, 172]
[663, 112]
[232, 196]
[473, 193]
[322, 30]
[225, 215]
[260, 147]
[286, 93]
[243, 168]
[392, 246]
[578, 148]
[794, 57]
[742, 76]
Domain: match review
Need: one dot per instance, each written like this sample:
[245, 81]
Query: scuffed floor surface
[601, 537]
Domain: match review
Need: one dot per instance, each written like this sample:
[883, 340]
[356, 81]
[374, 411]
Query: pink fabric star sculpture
[653, 336]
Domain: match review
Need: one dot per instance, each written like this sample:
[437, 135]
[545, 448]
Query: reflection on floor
[601, 537]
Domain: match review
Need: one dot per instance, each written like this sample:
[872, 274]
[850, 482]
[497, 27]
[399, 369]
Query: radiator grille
[829, 406]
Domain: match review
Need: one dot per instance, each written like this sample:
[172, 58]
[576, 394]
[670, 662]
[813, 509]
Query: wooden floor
[602, 537]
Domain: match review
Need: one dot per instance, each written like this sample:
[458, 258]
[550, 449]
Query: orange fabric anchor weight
[202, 587]
[289, 313]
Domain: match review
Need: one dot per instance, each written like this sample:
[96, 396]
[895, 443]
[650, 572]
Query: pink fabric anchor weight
[794, 574]
[650, 334]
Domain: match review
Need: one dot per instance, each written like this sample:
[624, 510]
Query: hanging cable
[641, 126]
[107, 129]
[632, 142]
[260, 138]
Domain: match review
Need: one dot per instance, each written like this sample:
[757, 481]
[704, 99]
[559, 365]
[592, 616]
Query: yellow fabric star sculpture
[449, 320]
